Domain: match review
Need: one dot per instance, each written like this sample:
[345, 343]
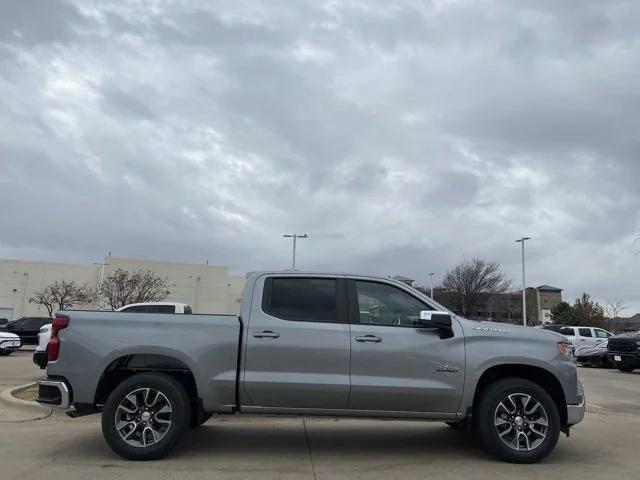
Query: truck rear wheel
[146, 416]
[517, 420]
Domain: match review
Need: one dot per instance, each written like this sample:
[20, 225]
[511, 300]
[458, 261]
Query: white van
[585, 336]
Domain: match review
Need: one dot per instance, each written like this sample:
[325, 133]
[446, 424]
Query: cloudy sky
[402, 136]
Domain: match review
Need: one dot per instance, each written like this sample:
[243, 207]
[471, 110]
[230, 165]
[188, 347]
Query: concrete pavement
[603, 446]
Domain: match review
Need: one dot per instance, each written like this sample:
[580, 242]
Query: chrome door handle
[266, 334]
[369, 338]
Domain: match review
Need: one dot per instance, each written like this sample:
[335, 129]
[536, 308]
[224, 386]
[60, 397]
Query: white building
[207, 288]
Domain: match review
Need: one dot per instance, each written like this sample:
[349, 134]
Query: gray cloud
[402, 136]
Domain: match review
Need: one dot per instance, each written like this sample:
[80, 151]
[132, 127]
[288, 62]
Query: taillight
[53, 348]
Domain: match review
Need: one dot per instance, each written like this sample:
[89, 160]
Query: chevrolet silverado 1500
[314, 344]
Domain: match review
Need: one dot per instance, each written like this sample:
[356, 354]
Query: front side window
[382, 304]
[567, 331]
[302, 299]
[602, 334]
[585, 332]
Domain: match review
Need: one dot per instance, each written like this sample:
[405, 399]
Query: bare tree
[468, 280]
[61, 295]
[613, 308]
[122, 287]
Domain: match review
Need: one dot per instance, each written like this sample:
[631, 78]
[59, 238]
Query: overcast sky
[402, 136]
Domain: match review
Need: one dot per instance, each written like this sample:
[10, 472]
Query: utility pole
[295, 237]
[431, 274]
[524, 285]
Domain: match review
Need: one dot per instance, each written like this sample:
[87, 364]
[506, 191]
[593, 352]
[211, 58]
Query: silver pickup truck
[314, 344]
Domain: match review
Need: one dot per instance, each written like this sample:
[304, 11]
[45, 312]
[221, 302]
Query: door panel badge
[447, 368]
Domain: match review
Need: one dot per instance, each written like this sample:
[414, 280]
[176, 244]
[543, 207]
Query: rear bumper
[54, 393]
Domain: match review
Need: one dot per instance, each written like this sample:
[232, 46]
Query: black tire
[488, 408]
[5, 353]
[181, 415]
[625, 368]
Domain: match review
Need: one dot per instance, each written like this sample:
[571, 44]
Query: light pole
[524, 285]
[431, 274]
[295, 237]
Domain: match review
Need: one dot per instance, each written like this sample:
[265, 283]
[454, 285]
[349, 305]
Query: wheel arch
[535, 374]
[124, 366]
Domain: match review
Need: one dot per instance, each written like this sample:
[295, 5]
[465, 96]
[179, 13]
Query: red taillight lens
[53, 348]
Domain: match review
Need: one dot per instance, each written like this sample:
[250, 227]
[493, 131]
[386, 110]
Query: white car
[9, 342]
[41, 353]
[157, 307]
[585, 336]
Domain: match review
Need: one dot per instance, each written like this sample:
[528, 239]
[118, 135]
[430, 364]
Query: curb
[7, 398]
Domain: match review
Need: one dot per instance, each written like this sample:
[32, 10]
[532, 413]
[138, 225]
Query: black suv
[27, 328]
[624, 351]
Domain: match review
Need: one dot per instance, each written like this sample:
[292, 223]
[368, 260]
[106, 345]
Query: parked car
[9, 342]
[41, 352]
[582, 336]
[27, 328]
[314, 344]
[157, 307]
[623, 351]
[593, 356]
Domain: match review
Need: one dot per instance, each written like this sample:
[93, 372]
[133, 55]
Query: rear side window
[585, 332]
[567, 331]
[162, 309]
[302, 299]
[187, 310]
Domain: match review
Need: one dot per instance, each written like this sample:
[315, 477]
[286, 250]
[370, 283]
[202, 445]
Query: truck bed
[95, 341]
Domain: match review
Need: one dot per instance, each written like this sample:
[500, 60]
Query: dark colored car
[27, 328]
[623, 351]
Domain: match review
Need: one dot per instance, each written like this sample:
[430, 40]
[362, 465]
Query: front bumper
[575, 413]
[10, 345]
[54, 393]
[626, 359]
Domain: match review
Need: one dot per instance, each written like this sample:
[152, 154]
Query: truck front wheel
[517, 420]
[146, 416]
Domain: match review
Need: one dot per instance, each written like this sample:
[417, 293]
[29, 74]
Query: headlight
[566, 348]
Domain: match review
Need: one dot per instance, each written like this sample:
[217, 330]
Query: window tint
[304, 299]
[187, 310]
[162, 309]
[381, 304]
[584, 332]
[602, 333]
[567, 331]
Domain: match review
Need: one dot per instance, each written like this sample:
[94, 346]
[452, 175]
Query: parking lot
[605, 445]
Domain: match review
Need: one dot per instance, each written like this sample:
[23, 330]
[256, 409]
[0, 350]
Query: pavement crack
[306, 436]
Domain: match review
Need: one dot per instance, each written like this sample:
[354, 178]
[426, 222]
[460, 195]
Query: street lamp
[524, 286]
[431, 274]
[295, 236]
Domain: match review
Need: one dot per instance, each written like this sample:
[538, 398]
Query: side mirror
[439, 320]
[435, 319]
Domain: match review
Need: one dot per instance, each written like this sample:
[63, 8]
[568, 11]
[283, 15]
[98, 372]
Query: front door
[297, 347]
[396, 366]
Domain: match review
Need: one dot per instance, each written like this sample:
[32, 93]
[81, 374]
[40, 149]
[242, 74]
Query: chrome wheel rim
[521, 422]
[143, 417]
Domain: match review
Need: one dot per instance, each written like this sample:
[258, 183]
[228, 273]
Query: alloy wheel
[143, 417]
[521, 422]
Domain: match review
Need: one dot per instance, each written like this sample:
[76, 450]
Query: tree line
[119, 288]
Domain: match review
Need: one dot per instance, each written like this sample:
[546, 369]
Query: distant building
[405, 280]
[207, 288]
[625, 323]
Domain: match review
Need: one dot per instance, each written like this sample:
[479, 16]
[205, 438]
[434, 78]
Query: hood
[8, 336]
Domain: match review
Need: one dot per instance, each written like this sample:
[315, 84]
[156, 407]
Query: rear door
[396, 366]
[586, 337]
[297, 344]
